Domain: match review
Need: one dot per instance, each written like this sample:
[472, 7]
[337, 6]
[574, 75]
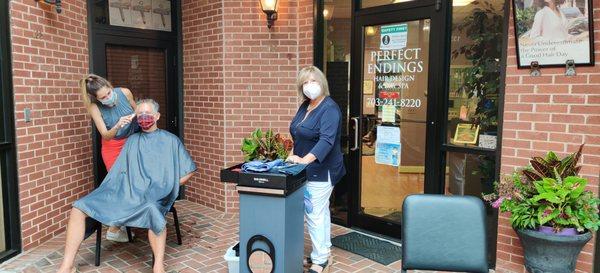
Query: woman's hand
[309, 158]
[293, 159]
[124, 120]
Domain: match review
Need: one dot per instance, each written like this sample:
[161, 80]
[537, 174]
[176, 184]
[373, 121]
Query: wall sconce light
[328, 12]
[269, 7]
[370, 31]
[57, 3]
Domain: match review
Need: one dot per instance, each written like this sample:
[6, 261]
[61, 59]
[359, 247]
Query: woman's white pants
[319, 220]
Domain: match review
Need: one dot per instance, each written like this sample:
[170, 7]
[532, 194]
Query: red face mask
[145, 121]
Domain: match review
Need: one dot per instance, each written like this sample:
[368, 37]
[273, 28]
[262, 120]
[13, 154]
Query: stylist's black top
[320, 134]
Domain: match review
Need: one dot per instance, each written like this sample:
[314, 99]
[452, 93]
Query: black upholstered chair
[445, 233]
[92, 226]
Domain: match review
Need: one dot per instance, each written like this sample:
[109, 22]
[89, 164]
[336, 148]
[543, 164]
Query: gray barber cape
[142, 185]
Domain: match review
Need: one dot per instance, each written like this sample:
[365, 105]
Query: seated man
[143, 184]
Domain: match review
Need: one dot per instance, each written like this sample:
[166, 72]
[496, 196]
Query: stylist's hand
[294, 159]
[124, 120]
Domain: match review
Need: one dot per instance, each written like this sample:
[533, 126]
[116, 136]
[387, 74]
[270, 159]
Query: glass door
[397, 77]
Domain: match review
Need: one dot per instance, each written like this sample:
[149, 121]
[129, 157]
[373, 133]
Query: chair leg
[177, 229]
[129, 236]
[98, 243]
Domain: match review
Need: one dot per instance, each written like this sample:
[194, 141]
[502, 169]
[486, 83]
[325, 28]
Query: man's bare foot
[67, 270]
[158, 268]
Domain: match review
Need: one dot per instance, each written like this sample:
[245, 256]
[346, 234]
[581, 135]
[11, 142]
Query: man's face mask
[145, 121]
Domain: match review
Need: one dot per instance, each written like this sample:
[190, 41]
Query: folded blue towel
[261, 166]
[291, 168]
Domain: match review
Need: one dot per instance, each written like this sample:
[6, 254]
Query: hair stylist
[112, 111]
[316, 131]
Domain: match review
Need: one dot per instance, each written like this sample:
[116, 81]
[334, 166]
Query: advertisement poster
[553, 31]
[141, 13]
[387, 146]
[161, 14]
[119, 12]
[394, 36]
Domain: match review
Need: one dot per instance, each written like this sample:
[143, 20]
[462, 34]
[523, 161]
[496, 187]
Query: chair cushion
[444, 233]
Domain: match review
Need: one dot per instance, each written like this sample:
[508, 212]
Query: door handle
[356, 129]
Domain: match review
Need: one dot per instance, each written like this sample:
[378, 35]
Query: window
[473, 101]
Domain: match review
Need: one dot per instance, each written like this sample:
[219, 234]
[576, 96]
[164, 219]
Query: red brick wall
[550, 112]
[237, 77]
[203, 98]
[54, 154]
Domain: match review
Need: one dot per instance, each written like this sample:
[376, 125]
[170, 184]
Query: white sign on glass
[394, 36]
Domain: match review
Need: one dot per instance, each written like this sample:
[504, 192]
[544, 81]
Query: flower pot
[551, 252]
[562, 232]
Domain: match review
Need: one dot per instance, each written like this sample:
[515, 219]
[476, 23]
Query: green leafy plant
[481, 79]
[265, 146]
[549, 192]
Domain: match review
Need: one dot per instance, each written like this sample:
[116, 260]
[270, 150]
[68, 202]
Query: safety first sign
[394, 36]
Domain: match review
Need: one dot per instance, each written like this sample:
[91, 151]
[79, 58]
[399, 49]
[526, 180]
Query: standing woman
[316, 131]
[112, 110]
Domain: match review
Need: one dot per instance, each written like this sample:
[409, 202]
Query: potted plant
[265, 146]
[551, 211]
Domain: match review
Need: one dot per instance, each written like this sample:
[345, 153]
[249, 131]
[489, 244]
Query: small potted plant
[265, 146]
[551, 211]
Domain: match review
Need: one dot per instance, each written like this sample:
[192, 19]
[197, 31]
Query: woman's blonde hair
[90, 85]
[305, 74]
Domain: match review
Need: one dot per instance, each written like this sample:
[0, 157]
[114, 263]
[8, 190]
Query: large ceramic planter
[551, 253]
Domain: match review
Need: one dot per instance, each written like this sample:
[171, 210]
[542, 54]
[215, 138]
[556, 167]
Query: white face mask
[312, 90]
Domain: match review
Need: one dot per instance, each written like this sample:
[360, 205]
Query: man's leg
[158, 244]
[75, 233]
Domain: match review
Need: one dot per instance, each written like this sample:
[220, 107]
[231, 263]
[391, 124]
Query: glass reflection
[475, 73]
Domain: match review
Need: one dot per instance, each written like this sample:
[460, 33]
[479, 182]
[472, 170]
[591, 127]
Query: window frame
[8, 162]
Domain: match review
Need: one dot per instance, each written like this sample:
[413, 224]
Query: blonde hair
[305, 74]
[90, 85]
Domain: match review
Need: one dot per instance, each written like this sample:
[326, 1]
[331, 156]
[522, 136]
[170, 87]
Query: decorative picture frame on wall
[552, 32]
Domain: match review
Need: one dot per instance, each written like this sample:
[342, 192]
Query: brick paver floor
[206, 233]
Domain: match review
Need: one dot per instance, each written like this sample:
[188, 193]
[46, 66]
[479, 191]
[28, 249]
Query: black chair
[93, 226]
[445, 233]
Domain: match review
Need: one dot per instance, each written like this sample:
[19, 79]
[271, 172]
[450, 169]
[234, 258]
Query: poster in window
[141, 13]
[466, 133]
[388, 146]
[119, 12]
[552, 32]
[161, 15]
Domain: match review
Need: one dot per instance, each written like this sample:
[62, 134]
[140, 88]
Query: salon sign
[394, 36]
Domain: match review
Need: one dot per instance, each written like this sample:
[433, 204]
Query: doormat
[371, 248]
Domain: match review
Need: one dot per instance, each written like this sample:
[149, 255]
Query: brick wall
[54, 154]
[550, 112]
[238, 75]
[203, 98]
